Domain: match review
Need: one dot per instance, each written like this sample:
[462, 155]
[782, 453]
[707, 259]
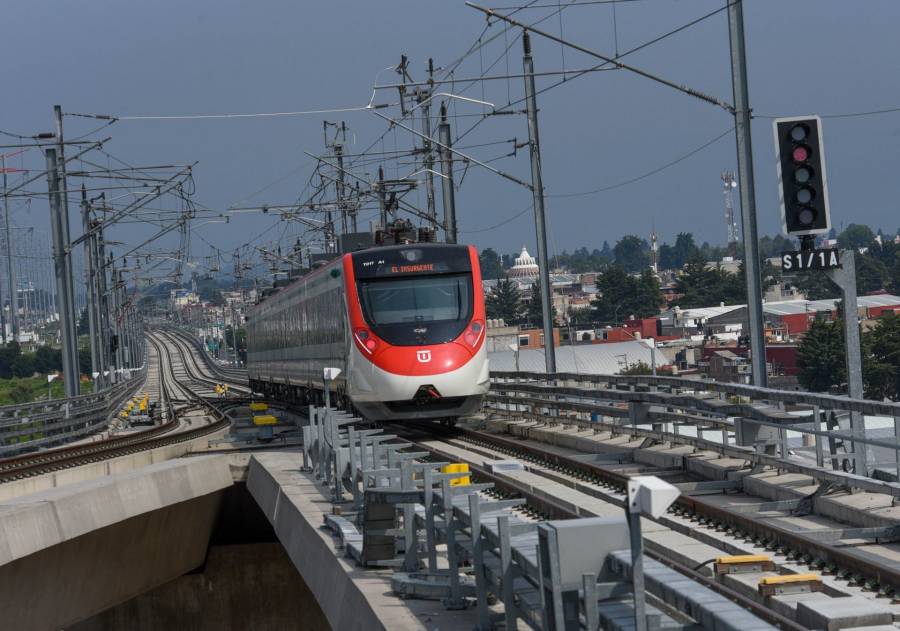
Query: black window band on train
[415, 295]
[417, 310]
[411, 260]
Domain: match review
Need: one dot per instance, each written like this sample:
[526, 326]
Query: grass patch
[29, 389]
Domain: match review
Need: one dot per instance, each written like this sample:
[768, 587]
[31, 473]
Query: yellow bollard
[457, 467]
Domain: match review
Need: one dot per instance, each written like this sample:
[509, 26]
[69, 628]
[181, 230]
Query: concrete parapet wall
[351, 598]
[71, 552]
[94, 470]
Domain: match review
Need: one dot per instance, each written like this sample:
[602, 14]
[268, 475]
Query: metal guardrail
[551, 575]
[732, 419]
[31, 426]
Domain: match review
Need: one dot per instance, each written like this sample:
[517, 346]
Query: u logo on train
[404, 323]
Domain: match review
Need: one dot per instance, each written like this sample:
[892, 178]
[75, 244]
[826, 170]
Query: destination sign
[825, 258]
[431, 258]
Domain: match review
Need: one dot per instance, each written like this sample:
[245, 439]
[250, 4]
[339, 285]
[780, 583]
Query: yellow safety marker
[789, 584]
[265, 419]
[457, 467]
[258, 407]
[743, 563]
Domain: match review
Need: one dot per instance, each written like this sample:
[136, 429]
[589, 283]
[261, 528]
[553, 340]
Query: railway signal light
[801, 175]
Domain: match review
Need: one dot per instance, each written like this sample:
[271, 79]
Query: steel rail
[773, 535]
[556, 510]
[28, 465]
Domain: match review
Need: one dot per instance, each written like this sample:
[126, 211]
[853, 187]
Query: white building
[525, 266]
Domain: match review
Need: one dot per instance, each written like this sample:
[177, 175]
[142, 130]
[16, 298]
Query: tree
[621, 295]
[504, 302]
[820, 356]
[773, 246]
[704, 286]
[855, 236]
[871, 274]
[47, 359]
[534, 310]
[23, 366]
[84, 327]
[816, 285]
[638, 368]
[490, 264]
[20, 393]
[632, 253]
[881, 358]
[8, 355]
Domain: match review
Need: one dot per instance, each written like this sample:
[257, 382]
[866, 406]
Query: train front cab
[417, 324]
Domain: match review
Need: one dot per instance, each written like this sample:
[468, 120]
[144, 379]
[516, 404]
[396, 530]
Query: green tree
[871, 274]
[637, 368]
[632, 253]
[534, 309]
[704, 286]
[855, 236]
[881, 362]
[815, 285]
[774, 246]
[8, 355]
[490, 264]
[505, 301]
[23, 366]
[621, 295]
[84, 325]
[820, 356]
[20, 393]
[47, 359]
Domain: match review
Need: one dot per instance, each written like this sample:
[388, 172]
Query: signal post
[803, 192]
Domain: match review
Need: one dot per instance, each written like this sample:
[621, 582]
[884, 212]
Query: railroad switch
[790, 584]
[743, 563]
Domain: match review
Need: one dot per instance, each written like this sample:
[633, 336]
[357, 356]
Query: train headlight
[473, 333]
[366, 340]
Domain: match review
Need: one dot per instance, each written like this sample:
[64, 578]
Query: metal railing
[758, 424]
[30, 426]
[551, 575]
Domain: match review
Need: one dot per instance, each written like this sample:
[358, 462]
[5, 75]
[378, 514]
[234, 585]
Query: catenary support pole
[424, 98]
[747, 191]
[539, 218]
[447, 187]
[63, 284]
[10, 262]
[106, 321]
[89, 266]
[64, 198]
[845, 278]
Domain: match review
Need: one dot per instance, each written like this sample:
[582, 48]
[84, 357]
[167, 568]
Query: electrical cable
[638, 178]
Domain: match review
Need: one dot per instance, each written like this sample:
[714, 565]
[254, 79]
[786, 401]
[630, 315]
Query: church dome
[525, 266]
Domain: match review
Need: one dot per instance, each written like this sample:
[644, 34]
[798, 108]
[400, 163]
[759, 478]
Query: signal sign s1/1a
[825, 258]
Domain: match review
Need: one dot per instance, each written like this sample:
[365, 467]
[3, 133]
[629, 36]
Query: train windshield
[419, 309]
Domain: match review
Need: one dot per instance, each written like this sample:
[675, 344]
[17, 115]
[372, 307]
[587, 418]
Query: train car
[405, 324]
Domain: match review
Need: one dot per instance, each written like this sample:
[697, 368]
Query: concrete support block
[843, 613]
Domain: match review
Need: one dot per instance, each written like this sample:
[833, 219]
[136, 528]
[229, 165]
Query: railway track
[172, 380]
[845, 568]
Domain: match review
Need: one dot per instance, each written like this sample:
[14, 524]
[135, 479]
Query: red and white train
[405, 324]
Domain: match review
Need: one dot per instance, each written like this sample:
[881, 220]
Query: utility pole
[66, 239]
[382, 205]
[424, 97]
[537, 188]
[89, 266]
[105, 325]
[447, 180]
[10, 261]
[747, 187]
[58, 223]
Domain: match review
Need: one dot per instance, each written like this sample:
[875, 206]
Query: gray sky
[213, 57]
